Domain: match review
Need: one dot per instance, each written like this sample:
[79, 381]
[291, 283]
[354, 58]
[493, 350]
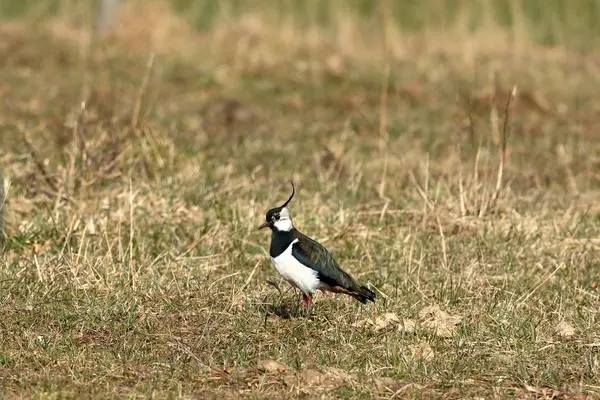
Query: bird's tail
[363, 293]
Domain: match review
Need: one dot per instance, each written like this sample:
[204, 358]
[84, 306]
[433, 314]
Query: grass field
[447, 152]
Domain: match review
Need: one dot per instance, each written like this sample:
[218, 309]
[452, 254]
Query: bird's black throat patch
[280, 241]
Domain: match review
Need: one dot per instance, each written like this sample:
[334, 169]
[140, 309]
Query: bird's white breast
[295, 272]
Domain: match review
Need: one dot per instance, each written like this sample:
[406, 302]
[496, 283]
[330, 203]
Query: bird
[305, 263]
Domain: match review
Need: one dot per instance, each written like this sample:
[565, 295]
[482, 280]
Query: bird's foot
[307, 303]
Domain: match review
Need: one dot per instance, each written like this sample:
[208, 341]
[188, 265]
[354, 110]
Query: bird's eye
[276, 216]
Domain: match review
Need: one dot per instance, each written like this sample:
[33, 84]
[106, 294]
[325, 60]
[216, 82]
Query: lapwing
[305, 263]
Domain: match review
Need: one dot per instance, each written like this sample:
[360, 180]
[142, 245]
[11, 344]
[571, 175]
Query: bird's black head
[279, 218]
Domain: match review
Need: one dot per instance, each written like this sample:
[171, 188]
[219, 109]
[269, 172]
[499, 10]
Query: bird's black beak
[264, 225]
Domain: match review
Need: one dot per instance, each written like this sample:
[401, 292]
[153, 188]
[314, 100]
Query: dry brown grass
[138, 166]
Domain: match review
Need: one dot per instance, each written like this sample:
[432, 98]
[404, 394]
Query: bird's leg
[299, 306]
[307, 302]
[275, 285]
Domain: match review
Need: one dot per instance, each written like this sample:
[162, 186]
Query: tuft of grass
[138, 165]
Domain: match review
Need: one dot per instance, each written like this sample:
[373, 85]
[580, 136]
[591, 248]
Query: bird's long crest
[293, 191]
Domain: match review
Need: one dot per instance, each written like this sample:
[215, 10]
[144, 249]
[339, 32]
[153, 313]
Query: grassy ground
[138, 166]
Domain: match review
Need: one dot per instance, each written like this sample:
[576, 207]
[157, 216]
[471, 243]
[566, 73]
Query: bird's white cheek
[284, 225]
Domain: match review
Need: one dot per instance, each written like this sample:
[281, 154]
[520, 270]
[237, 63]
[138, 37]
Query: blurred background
[390, 65]
[552, 22]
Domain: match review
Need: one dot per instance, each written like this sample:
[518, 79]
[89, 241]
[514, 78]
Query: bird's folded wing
[318, 258]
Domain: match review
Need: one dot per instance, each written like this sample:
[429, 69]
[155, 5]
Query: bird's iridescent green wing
[317, 257]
